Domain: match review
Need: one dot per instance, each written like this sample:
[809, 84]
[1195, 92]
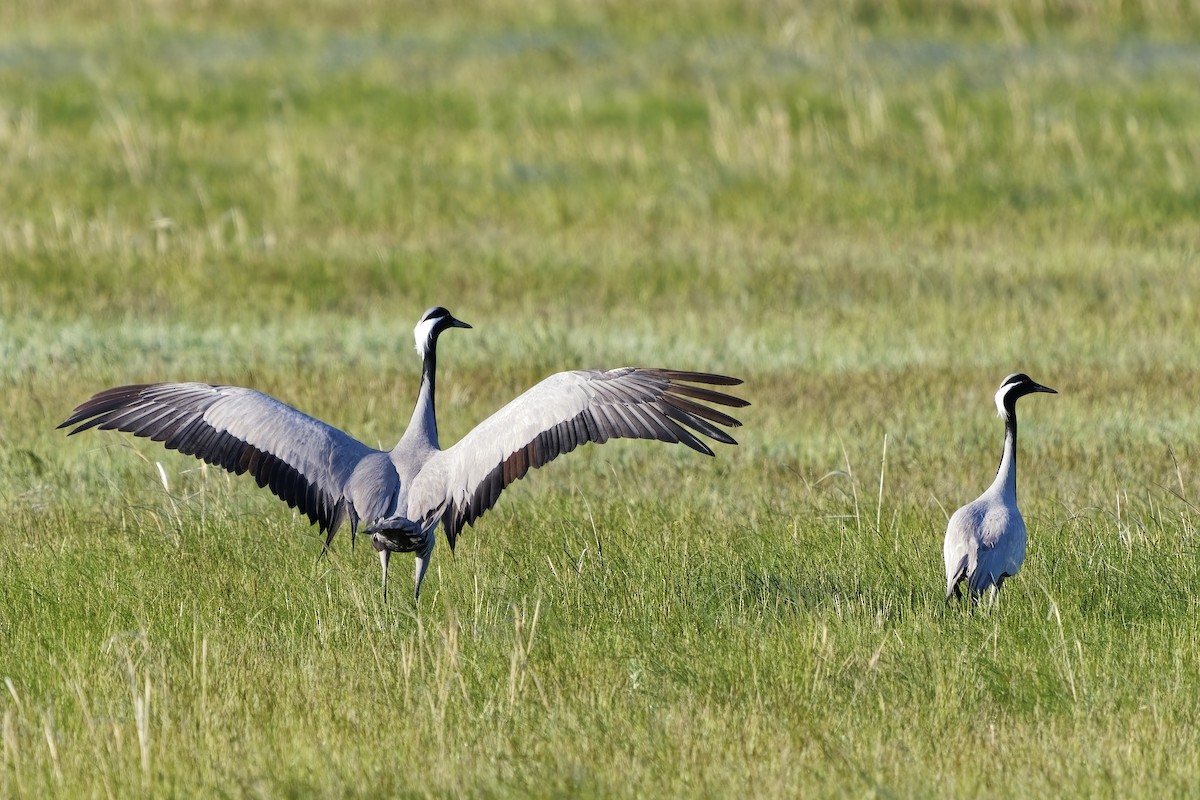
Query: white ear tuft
[1001, 393]
[423, 333]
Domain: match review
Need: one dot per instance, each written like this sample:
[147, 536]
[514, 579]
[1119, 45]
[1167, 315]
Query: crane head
[432, 323]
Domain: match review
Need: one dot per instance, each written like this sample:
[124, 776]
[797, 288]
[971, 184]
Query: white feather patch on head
[423, 332]
[1001, 393]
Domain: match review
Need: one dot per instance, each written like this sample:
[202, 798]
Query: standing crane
[401, 495]
[985, 540]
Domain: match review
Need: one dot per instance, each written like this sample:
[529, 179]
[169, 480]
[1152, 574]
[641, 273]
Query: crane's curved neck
[423, 426]
[1006, 475]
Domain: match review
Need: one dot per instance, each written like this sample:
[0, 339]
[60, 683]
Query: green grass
[872, 212]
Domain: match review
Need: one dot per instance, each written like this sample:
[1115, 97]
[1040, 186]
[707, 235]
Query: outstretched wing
[556, 416]
[304, 461]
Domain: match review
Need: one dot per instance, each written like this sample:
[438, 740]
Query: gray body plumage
[986, 539]
[403, 494]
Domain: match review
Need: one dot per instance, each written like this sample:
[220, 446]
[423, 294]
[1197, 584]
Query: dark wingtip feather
[710, 378]
[707, 395]
[703, 411]
[692, 385]
[101, 403]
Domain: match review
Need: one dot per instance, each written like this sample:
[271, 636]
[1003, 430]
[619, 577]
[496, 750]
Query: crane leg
[422, 565]
[384, 556]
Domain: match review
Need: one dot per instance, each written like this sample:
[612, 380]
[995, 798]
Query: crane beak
[1037, 387]
[458, 323]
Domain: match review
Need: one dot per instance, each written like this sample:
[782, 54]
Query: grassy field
[871, 212]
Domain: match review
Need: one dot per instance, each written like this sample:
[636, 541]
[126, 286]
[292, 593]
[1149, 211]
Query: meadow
[871, 212]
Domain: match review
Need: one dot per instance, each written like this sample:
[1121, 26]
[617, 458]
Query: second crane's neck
[1006, 475]
[423, 426]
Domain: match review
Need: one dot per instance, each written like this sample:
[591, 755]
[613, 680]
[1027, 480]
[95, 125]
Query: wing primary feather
[134, 419]
[653, 425]
[91, 412]
[708, 395]
[688, 438]
[699, 377]
[694, 422]
[699, 410]
[167, 430]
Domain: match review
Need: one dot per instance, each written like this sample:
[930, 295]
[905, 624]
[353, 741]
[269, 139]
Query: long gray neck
[1006, 475]
[422, 428]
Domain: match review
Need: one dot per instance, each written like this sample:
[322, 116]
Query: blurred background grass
[872, 212]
